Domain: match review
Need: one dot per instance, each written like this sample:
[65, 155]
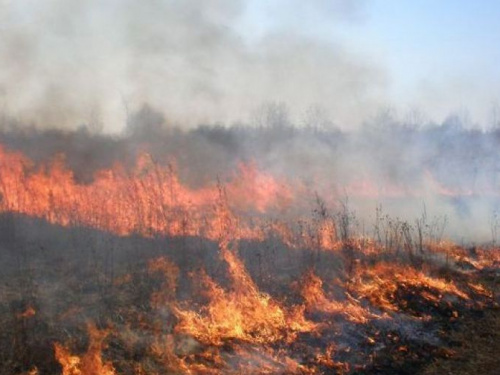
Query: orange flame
[314, 296]
[243, 313]
[91, 362]
[148, 200]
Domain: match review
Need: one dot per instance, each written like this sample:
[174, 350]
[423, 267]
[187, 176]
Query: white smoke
[67, 62]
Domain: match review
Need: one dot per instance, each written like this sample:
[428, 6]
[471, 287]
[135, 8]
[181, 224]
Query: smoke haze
[65, 63]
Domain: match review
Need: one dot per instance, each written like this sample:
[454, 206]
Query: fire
[28, 313]
[315, 299]
[256, 190]
[380, 284]
[91, 362]
[230, 320]
[244, 313]
[149, 200]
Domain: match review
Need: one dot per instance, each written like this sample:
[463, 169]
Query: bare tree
[274, 115]
[316, 117]
[494, 117]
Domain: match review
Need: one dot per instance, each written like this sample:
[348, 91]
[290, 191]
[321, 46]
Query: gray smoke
[67, 62]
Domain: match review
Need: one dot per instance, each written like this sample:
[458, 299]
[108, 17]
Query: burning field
[156, 256]
[249, 187]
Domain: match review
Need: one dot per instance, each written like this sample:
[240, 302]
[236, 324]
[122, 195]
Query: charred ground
[59, 280]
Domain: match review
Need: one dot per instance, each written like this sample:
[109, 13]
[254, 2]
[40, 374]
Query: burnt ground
[475, 344]
[54, 280]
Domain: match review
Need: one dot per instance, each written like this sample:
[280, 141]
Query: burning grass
[135, 273]
[155, 317]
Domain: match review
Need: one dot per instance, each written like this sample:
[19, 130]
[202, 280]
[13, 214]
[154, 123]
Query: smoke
[67, 62]
[446, 172]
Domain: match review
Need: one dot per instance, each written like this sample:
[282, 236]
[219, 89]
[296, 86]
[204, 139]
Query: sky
[443, 52]
[67, 62]
[439, 56]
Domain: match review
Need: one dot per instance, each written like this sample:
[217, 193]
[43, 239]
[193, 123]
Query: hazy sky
[440, 56]
[63, 61]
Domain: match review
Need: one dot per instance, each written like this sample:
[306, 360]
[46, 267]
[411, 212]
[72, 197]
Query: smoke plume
[65, 63]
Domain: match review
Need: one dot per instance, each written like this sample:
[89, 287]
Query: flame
[151, 200]
[257, 190]
[91, 362]
[315, 299]
[148, 200]
[243, 313]
[29, 312]
[380, 284]
[243, 316]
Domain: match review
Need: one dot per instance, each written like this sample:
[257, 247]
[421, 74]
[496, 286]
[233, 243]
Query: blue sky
[440, 56]
[434, 40]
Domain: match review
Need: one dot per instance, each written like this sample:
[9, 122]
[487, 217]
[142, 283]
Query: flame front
[319, 308]
[149, 200]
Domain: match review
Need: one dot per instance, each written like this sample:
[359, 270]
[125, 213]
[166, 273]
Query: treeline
[385, 149]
